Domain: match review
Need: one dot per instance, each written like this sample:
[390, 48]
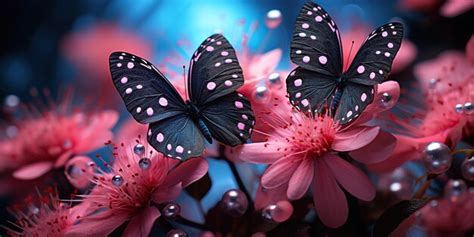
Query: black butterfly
[215, 110]
[319, 84]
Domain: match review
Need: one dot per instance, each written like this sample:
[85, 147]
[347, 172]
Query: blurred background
[55, 45]
[49, 44]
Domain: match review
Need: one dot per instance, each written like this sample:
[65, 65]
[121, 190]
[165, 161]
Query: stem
[190, 223]
[467, 152]
[240, 183]
[426, 185]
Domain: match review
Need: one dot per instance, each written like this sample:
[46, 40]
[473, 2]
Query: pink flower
[89, 49]
[452, 8]
[134, 192]
[302, 152]
[46, 217]
[443, 217]
[447, 81]
[449, 71]
[446, 219]
[419, 5]
[48, 140]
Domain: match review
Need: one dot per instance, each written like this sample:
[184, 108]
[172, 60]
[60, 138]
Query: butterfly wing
[316, 42]
[147, 94]
[308, 90]
[373, 61]
[315, 47]
[230, 119]
[214, 71]
[355, 97]
[177, 137]
[371, 65]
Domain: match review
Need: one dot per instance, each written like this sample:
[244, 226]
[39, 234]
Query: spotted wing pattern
[177, 137]
[316, 43]
[230, 119]
[214, 70]
[371, 65]
[147, 94]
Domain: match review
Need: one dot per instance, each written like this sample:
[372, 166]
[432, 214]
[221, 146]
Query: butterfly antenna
[350, 51]
[185, 84]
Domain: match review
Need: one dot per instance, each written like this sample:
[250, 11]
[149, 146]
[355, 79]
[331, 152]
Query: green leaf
[200, 188]
[395, 215]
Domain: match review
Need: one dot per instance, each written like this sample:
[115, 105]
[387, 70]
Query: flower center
[311, 137]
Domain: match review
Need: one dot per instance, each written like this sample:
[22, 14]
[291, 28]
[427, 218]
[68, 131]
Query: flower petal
[101, 224]
[406, 148]
[262, 65]
[79, 172]
[187, 172]
[260, 152]
[329, 199]
[278, 173]
[470, 50]
[352, 179]
[141, 224]
[167, 193]
[390, 87]
[300, 180]
[354, 138]
[283, 211]
[63, 159]
[267, 197]
[376, 151]
[33, 171]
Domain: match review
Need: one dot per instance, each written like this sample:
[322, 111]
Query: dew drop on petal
[437, 158]
[144, 163]
[273, 19]
[117, 180]
[234, 202]
[139, 149]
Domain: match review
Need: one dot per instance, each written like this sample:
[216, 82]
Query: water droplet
[117, 180]
[386, 100]
[139, 149]
[171, 210]
[274, 78]
[234, 202]
[176, 233]
[399, 182]
[261, 92]
[467, 169]
[273, 19]
[11, 131]
[437, 158]
[34, 210]
[12, 101]
[144, 163]
[454, 188]
[458, 108]
[67, 144]
[468, 108]
[267, 213]
[74, 171]
[432, 83]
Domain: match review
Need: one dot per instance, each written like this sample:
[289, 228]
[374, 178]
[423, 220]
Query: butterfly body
[337, 98]
[178, 128]
[319, 83]
[194, 113]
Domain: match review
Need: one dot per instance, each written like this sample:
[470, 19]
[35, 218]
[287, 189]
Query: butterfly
[319, 84]
[178, 128]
